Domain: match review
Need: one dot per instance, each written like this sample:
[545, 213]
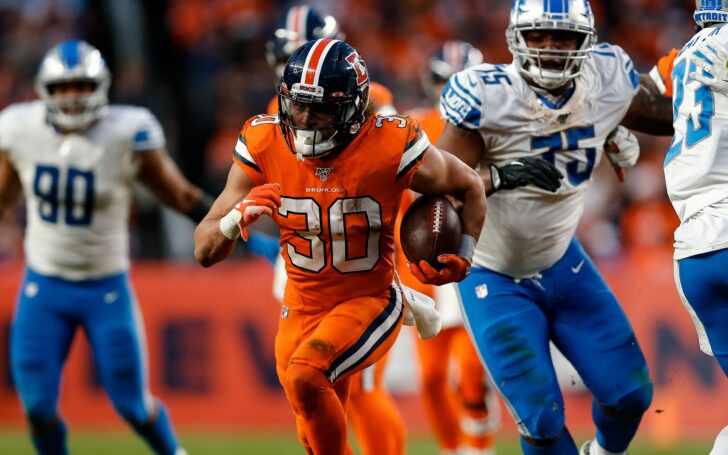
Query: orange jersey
[661, 73]
[430, 120]
[337, 217]
[378, 94]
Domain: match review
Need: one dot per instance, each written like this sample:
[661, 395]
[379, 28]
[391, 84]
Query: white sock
[596, 449]
[721, 443]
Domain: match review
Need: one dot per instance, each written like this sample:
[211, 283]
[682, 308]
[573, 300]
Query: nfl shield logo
[481, 291]
[323, 172]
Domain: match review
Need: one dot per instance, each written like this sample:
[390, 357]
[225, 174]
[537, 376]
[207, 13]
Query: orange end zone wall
[210, 335]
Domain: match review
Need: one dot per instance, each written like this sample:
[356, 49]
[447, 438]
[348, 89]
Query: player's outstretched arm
[159, 173]
[240, 204]
[9, 184]
[650, 112]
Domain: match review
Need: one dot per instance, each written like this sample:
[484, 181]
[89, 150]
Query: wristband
[229, 224]
[201, 208]
[467, 247]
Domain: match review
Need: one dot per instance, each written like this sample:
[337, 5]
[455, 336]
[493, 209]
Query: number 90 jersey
[528, 229]
[337, 216]
[77, 187]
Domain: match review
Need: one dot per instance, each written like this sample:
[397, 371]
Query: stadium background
[200, 66]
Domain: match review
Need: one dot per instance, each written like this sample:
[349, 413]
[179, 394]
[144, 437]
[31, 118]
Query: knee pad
[304, 385]
[547, 422]
[631, 405]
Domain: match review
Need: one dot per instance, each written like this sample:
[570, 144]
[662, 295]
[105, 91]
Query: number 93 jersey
[77, 187]
[337, 216]
[696, 165]
[528, 229]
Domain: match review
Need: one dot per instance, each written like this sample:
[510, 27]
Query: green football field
[121, 443]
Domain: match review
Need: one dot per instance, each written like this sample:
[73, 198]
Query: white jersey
[528, 229]
[77, 187]
[696, 165]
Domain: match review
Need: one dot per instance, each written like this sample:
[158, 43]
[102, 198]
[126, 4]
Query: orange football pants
[319, 349]
[377, 423]
[445, 407]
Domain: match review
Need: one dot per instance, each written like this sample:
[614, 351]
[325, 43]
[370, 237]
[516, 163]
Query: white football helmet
[563, 15]
[710, 11]
[73, 61]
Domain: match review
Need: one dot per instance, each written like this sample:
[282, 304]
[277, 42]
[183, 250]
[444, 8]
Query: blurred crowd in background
[200, 66]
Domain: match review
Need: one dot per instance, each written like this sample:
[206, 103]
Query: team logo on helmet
[362, 75]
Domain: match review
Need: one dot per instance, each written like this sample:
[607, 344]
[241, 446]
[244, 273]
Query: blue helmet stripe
[69, 52]
[556, 6]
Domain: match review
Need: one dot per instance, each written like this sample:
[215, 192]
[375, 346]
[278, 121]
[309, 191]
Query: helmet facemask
[550, 68]
[74, 112]
[345, 116]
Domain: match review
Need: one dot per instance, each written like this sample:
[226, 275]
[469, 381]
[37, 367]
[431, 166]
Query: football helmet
[710, 11]
[301, 24]
[561, 15]
[452, 57]
[73, 61]
[329, 78]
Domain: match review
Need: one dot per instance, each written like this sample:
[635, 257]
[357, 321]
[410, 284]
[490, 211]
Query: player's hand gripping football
[711, 59]
[261, 200]
[526, 171]
[454, 269]
[622, 149]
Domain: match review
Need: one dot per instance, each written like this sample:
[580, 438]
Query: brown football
[430, 227]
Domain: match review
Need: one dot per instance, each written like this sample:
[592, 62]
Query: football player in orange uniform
[377, 422]
[462, 420]
[331, 174]
[660, 73]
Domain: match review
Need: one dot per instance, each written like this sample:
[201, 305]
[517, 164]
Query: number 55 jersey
[77, 187]
[528, 229]
[337, 216]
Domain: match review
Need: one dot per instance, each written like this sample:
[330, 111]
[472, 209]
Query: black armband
[199, 211]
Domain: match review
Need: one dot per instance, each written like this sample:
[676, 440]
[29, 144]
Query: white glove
[622, 148]
[713, 73]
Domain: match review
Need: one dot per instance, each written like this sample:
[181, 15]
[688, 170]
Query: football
[430, 227]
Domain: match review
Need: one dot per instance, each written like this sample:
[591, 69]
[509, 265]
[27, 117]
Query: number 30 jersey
[528, 229]
[337, 216]
[696, 165]
[77, 187]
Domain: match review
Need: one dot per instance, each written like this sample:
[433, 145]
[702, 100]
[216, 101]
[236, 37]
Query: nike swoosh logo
[577, 269]
[246, 201]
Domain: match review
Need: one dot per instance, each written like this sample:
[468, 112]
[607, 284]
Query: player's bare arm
[161, 175]
[468, 145]
[650, 112]
[9, 184]
[211, 246]
[442, 173]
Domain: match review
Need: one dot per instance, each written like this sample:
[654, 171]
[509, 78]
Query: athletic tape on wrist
[467, 247]
[229, 224]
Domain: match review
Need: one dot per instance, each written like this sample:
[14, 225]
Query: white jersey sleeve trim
[413, 153]
[459, 104]
[243, 155]
[657, 79]
[149, 134]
